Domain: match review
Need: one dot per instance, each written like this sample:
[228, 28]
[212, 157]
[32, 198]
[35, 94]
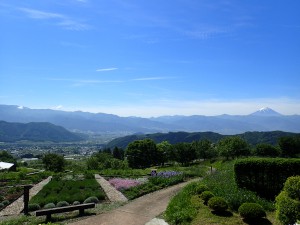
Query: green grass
[222, 184]
[69, 190]
[125, 172]
[154, 184]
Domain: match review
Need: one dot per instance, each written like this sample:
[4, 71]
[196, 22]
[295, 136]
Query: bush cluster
[206, 195]
[217, 204]
[251, 211]
[288, 203]
[92, 199]
[33, 207]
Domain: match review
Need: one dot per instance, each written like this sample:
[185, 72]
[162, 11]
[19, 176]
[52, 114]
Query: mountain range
[264, 119]
[35, 131]
[253, 138]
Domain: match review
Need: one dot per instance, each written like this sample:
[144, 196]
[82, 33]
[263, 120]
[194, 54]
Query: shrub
[251, 211]
[288, 203]
[49, 205]
[217, 204]
[200, 188]
[1, 205]
[292, 187]
[5, 202]
[62, 203]
[92, 199]
[265, 176]
[206, 195]
[33, 207]
[76, 203]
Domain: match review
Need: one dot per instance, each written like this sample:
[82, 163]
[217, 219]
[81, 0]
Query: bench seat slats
[64, 209]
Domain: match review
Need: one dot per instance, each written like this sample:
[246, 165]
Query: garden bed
[73, 189]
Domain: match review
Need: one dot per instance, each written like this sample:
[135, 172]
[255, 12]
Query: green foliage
[54, 162]
[142, 154]
[288, 202]
[49, 205]
[206, 195]
[251, 211]
[222, 183]
[154, 183]
[233, 146]
[62, 203]
[204, 149]
[76, 203]
[70, 190]
[1, 205]
[292, 187]
[5, 202]
[199, 188]
[165, 152]
[289, 145]
[92, 199]
[265, 176]
[266, 150]
[6, 157]
[287, 209]
[184, 153]
[217, 204]
[125, 172]
[181, 209]
[33, 207]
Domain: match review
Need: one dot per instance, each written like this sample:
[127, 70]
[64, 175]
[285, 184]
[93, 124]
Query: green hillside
[252, 138]
[12, 132]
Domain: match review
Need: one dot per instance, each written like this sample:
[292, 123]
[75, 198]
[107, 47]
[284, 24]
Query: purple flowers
[123, 184]
[167, 174]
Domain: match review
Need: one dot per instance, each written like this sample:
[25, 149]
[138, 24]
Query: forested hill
[12, 132]
[252, 138]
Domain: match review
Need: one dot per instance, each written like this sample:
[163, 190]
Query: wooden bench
[49, 212]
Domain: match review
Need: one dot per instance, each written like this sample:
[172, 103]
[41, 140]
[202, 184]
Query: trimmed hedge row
[265, 176]
[288, 201]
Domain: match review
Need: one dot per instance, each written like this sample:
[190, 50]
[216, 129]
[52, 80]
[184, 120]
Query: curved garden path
[137, 212]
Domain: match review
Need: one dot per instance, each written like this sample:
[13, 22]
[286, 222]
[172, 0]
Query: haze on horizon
[151, 58]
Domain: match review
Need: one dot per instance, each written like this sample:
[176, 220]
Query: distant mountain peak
[266, 111]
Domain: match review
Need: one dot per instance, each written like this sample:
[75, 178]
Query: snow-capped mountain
[265, 119]
[266, 112]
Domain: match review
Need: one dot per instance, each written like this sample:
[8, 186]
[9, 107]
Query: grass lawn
[206, 217]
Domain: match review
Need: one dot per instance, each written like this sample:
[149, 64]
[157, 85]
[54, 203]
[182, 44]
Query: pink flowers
[122, 184]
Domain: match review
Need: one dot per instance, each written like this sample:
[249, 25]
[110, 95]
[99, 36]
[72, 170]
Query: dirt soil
[138, 211]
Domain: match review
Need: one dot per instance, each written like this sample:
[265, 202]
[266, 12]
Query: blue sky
[151, 58]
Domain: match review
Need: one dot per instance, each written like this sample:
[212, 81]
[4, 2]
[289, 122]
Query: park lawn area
[69, 188]
[205, 216]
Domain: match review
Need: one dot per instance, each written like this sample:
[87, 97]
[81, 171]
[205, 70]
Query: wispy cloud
[61, 20]
[106, 69]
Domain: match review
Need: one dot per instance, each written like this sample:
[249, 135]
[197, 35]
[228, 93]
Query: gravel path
[17, 206]
[112, 193]
[137, 212]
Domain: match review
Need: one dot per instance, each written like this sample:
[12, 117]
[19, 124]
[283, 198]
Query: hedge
[265, 176]
[288, 203]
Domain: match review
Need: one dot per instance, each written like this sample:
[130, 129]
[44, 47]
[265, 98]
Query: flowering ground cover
[123, 183]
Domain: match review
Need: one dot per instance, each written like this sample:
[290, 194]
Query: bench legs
[81, 212]
[48, 217]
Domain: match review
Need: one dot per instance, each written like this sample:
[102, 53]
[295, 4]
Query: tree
[184, 153]
[92, 163]
[118, 153]
[6, 157]
[266, 150]
[54, 162]
[233, 147]
[142, 153]
[164, 152]
[290, 146]
[204, 149]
